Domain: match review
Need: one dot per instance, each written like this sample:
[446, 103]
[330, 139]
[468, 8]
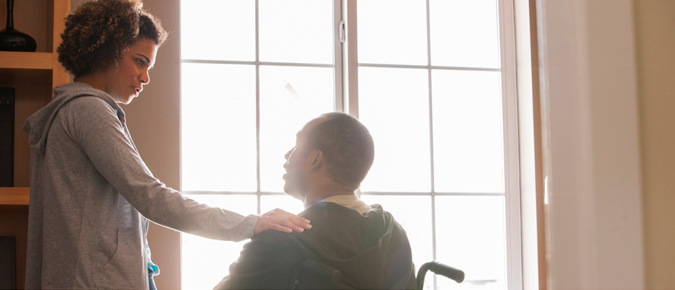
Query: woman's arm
[104, 138]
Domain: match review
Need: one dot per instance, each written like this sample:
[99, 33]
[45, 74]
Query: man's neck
[316, 196]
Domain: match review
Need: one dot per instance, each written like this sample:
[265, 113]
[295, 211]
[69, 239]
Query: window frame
[346, 66]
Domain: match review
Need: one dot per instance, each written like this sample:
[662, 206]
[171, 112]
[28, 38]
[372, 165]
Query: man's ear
[315, 159]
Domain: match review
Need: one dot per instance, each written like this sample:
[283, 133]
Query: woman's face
[126, 78]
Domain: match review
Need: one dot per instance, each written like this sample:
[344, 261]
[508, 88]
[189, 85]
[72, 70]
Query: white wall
[154, 122]
[655, 35]
[591, 144]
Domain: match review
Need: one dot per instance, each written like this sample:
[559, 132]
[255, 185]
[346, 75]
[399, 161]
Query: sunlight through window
[428, 83]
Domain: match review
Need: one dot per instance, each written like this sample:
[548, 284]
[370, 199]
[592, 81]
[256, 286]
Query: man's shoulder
[271, 239]
[325, 217]
[326, 211]
[332, 223]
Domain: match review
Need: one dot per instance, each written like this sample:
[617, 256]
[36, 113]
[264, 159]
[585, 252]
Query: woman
[91, 193]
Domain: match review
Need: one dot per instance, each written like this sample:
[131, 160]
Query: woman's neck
[95, 80]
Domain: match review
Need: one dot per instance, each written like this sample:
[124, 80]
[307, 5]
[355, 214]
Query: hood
[371, 242]
[38, 124]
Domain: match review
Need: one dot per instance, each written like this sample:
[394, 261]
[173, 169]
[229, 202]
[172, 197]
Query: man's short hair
[347, 147]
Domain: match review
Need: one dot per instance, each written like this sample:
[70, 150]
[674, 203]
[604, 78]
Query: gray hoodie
[90, 192]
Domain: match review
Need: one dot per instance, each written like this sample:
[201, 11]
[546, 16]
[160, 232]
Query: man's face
[297, 178]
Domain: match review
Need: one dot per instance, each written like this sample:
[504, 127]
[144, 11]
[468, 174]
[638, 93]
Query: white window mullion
[350, 59]
[511, 166]
[338, 64]
[431, 145]
[257, 104]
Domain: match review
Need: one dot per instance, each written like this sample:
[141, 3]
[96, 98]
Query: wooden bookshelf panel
[26, 60]
[14, 195]
[59, 11]
[33, 77]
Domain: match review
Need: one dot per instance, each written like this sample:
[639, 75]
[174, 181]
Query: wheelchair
[314, 275]
[440, 269]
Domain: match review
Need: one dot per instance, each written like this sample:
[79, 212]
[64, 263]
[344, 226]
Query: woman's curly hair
[98, 32]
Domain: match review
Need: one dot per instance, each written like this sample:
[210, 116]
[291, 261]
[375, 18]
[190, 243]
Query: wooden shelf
[14, 195]
[26, 60]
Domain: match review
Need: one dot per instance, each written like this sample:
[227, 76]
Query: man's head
[333, 150]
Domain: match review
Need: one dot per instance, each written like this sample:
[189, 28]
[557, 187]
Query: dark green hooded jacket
[370, 251]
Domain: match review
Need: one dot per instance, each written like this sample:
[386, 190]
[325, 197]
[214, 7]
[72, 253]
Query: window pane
[234, 21]
[470, 235]
[414, 215]
[285, 202]
[289, 98]
[392, 32]
[468, 144]
[204, 261]
[464, 33]
[218, 127]
[299, 31]
[394, 106]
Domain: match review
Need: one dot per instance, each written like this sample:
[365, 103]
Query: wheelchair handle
[440, 269]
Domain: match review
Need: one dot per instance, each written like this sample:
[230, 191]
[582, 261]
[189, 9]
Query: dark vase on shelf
[12, 39]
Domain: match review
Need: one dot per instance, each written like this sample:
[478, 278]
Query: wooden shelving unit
[30, 72]
[14, 195]
[33, 75]
[26, 60]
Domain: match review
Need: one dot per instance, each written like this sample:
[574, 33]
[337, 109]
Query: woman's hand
[281, 220]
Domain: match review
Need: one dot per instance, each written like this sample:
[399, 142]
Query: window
[431, 79]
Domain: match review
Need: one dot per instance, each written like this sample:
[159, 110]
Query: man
[367, 247]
